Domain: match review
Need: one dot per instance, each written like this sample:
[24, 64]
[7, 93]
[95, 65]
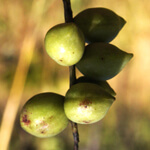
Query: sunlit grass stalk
[14, 98]
[16, 91]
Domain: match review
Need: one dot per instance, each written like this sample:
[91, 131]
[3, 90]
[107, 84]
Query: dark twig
[75, 135]
[69, 18]
[67, 11]
[72, 75]
[74, 125]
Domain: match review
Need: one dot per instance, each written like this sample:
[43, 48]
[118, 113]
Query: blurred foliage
[127, 124]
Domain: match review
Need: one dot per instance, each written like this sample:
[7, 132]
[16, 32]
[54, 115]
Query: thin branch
[72, 75]
[67, 11]
[69, 18]
[73, 124]
[75, 135]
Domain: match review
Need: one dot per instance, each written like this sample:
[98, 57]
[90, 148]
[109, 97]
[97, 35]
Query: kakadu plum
[86, 103]
[99, 24]
[43, 115]
[65, 44]
[102, 61]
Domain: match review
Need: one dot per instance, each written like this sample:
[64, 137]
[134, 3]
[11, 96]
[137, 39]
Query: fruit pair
[47, 114]
[65, 42]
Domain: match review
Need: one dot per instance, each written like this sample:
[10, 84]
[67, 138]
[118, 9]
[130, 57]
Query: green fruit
[86, 103]
[43, 115]
[99, 24]
[65, 44]
[102, 61]
[103, 84]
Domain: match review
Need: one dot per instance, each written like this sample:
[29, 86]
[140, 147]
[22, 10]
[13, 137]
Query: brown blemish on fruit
[85, 103]
[51, 117]
[43, 132]
[61, 60]
[25, 120]
[43, 127]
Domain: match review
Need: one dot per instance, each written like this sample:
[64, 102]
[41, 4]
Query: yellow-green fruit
[65, 44]
[102, 61]
[104, 84]
[99, 24]
[43, 115]
[86, 103]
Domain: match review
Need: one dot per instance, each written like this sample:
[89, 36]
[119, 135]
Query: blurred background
[26, 70]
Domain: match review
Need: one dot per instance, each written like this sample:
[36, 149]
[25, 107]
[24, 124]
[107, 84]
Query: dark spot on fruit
[85, 103]
[25, 120]
[72, 52]
[51, 117]
[43, 125]
[43, 132]
[61, 60]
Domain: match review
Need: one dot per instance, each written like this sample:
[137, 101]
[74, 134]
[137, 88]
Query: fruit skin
[104, 84]
[102, 61]
[87, 103]
[99, 24]
[43, 115]
[65, 44]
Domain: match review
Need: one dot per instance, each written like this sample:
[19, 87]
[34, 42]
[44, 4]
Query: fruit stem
[69, 18]
[73, 124]
[67, 11]
[72, 75]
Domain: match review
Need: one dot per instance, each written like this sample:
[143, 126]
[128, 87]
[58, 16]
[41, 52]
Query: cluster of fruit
[85, 44]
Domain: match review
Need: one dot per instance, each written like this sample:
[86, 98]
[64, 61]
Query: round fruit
[102, 61]
[104, 84]
[99, 24]
[65, 44]
[86, 103]
[43, 115]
